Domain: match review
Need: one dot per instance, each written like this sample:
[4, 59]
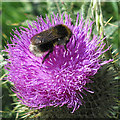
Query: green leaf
[115, 8]
[109, 30]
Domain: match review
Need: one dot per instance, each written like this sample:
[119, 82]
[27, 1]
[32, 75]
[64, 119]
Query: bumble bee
[48, 39]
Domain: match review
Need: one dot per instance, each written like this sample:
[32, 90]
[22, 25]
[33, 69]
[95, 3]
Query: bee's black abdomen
[46, 46]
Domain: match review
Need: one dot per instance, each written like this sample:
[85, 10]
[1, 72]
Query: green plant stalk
[97, 15]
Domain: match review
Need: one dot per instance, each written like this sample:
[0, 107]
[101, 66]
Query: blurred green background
[16, 14]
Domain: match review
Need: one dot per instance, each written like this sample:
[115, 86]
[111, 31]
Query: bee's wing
[45, 36]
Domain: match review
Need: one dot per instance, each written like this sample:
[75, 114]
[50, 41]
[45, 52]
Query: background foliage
[16, 14]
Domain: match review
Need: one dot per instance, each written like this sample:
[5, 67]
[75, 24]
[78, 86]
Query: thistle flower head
[64, 75]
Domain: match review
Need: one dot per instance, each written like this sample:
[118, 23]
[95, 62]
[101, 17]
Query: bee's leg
[75, 44]
[65, 47]
[75, 41]
[46, 56]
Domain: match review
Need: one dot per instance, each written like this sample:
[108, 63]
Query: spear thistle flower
[64, 75]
